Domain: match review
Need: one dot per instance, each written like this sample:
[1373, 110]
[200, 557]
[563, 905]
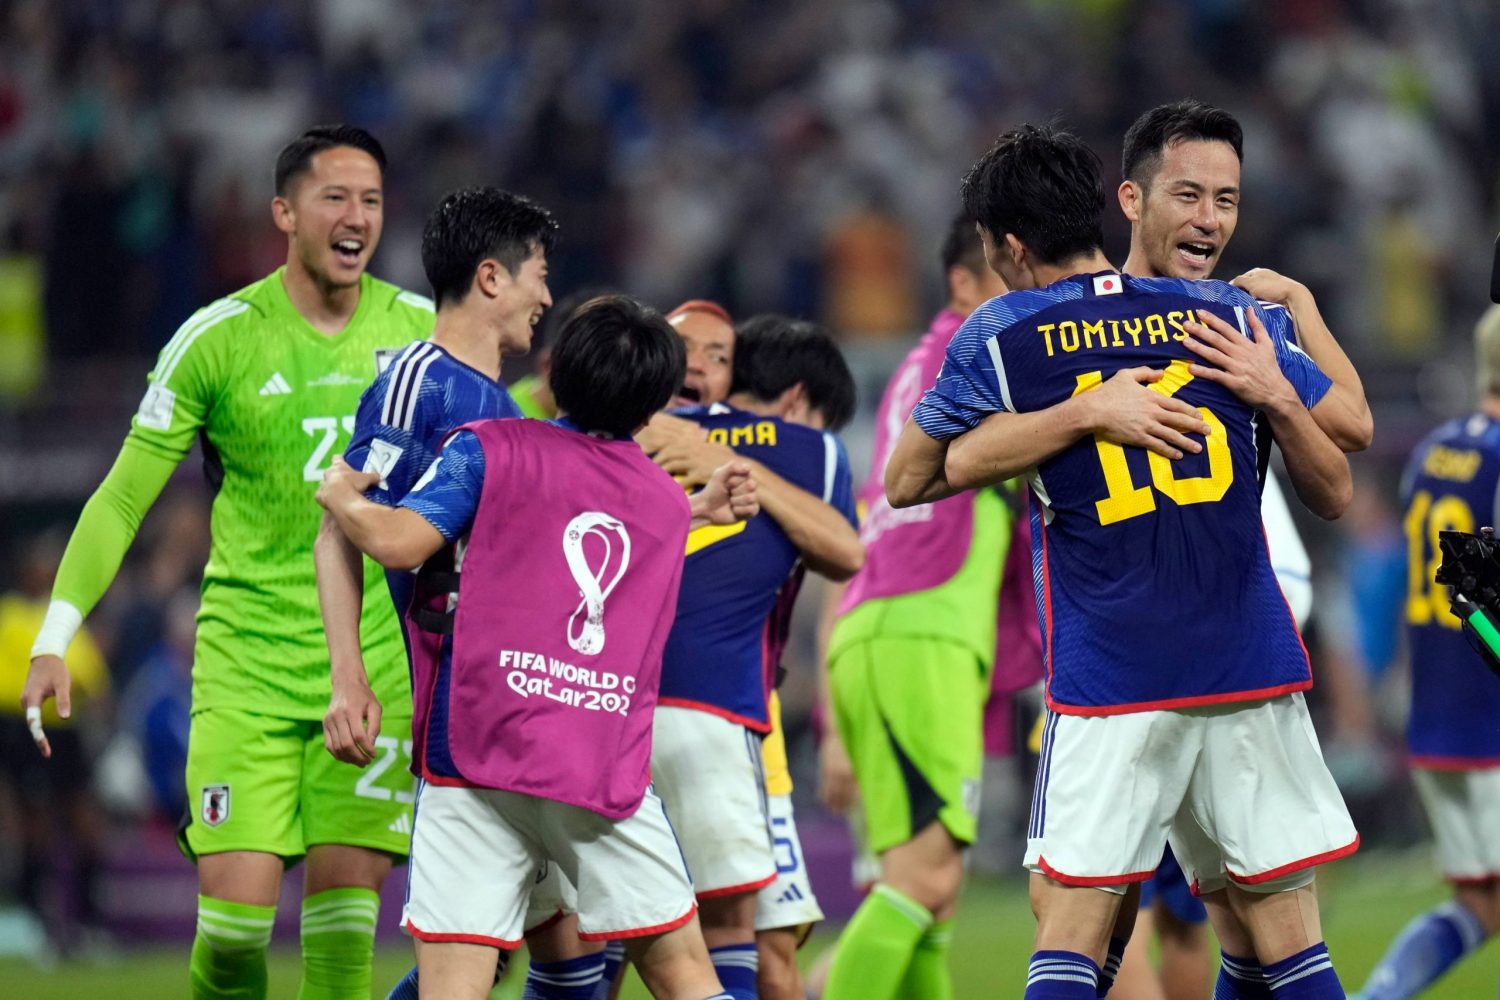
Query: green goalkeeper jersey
[273, 401]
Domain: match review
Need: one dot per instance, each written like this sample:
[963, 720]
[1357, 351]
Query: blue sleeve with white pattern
[448, 493]
[1300, 369]
[967, 387]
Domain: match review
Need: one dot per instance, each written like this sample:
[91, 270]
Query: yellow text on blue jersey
[1074, 335]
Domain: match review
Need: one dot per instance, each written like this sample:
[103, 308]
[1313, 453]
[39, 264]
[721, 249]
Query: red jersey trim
[723, 713]
[636, 932]
[436, 938]
[736, 890]
[1170, 703]
[1433, 763]
[1297, 866]
[1091, 880]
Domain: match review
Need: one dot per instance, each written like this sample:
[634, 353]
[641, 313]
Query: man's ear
[490, 277]
[1131, 196]
[792, 403]
[283, 215]
[1017, 251]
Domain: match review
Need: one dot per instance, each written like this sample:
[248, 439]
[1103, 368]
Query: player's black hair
[475, 224]
[295, 158]
[1045, 186]
[963, 247]
[1168, 124]
[773, 353]
[553, 319]
[616, 362]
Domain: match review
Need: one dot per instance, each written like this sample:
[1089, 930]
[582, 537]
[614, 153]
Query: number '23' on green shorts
[262, 783]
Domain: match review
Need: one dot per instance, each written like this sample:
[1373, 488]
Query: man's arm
[727, 498]
[352, 721]
[1248, 368]
[1343, 413]
[395, 537]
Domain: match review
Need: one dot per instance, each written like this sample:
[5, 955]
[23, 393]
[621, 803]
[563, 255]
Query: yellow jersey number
[1426, 599]
[1127, 500]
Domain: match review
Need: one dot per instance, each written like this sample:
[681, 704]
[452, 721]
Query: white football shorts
[1240, 790]
[708, 772]
[1464, 809]
[477, 854]
[787, 902]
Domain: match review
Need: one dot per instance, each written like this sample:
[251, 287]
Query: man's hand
[692, 462]
[48, 678]
[340, 481]
[1127, 411]
[353, 719]
[836, 786]
[664, 429]
[1246, 367]
[728, 498]
[1269, 286]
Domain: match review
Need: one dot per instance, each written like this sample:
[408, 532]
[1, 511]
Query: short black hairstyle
[296, 156]
[615, 363]
[1168, 124]
[1043, 185]
[773, 353]
[475, 224]
[962, 246]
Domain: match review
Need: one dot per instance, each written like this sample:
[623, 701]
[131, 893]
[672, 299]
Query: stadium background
[791, 155]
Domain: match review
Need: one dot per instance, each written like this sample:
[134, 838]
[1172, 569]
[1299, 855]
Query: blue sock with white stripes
[737, 966]
[614, 959]
[1240, 979]
[1307, 975]
[1424, 950]
[1111, 966]
[570, 979]
[1061, 975]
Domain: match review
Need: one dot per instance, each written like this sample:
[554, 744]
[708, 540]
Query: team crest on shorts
[215, 808]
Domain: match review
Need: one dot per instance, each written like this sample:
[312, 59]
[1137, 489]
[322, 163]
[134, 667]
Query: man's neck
[327, 308]
[1137, 266]
[748, 403]
[955, 306]
[1085, 263]
[1489, 405]
[468, 339]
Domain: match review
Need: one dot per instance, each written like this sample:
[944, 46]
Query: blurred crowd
[801, 156]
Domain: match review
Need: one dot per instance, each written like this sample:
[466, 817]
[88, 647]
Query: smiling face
[333, 214]
[520, 299]
[1183, 216]
[709, 342]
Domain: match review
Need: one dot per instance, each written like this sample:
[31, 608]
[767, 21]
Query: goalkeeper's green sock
[927, 977]
[338, 941]
[876, 949]
[229, 950]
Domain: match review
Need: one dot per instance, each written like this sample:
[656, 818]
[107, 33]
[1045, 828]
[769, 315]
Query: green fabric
[279, 791]
[229, 950]
[338, 941]
[273, 400]
[961, 610]
[876, 948]
[910, 712]
[520, 392]
[927, 977]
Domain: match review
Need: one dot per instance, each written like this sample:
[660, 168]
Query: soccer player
[533, 393]
[1452, 482]
[269, 379]
[567, 579]
[1181, 193]
[791, 388]
[909, 663]
[1173, 673]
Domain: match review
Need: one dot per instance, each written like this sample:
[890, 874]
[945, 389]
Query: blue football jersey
[1153, 582]
[1450, 483]
[403, 417]
[740, 580]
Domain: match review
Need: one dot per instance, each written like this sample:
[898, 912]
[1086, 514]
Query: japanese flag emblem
[215, 808]
[1108, 284]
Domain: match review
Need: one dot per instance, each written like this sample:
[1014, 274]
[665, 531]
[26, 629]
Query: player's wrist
[59, 626]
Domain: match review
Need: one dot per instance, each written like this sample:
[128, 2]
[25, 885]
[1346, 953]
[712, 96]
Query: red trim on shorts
[1433, 763]
[1296, 866]
[1471, 880]
[735, 890]
[670, 925]
[538, 928]
[723, 713]
[1091, 880]
[484, 939]
[444, 780]
[1170, 703]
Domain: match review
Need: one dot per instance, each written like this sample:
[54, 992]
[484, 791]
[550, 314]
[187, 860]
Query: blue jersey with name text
[414, 403]
[740, 580]
[1450, 484]
[1153, 582]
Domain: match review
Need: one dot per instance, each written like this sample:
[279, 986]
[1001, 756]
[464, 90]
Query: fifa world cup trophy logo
[589, 639]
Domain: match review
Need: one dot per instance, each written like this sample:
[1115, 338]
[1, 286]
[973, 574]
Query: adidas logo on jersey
[275, 386]
[401, 824]
[792, 895]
